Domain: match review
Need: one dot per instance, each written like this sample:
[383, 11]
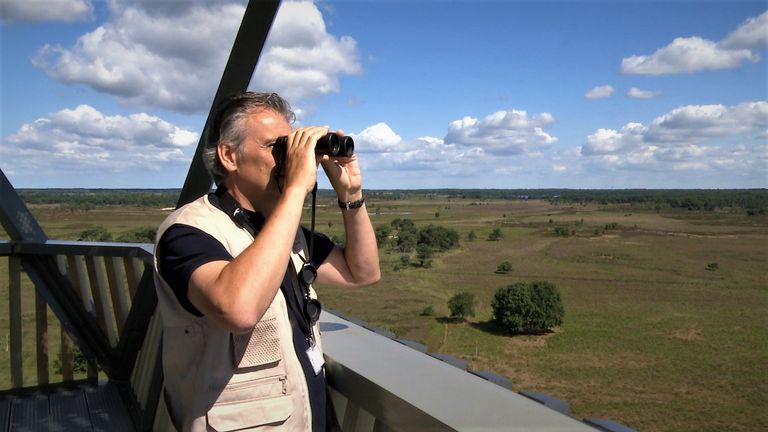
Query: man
[240, 348]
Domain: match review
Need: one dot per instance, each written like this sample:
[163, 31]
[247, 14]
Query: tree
[462, 305]
[527, 307]
[407, 240]
[382, 235]
[424, 253]
[495, 235]
[407, 234]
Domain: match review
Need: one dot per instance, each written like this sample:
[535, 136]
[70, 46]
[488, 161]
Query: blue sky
[437, 94]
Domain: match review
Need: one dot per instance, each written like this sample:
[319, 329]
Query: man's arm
[237, 293]
[357, 264]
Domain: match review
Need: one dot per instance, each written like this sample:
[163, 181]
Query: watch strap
[349, 205]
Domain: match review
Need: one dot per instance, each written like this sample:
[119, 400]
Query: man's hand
[300, 162]
[344, 174]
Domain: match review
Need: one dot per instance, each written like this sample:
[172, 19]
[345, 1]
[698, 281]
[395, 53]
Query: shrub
[462, 305]
[504, 267]
[527, 307]
[495, 235]
[713, 266]
[139, 235]
[562, 231]
[79, 363]
[438, 237]
[98, 234]
[428, 311]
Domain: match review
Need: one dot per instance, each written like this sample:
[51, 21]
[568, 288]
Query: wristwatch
[349, 205]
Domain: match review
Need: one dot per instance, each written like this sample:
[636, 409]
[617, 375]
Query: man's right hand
[300, 162]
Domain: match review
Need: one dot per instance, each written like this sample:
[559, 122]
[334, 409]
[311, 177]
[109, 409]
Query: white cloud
[508, 132]
[752, 34]
[155, 54]
[383, 151]
[609, 141]
[599, 92]
[697, 138]
[378, 138]
[301, 59]
[694, 123]
[45, 10]
[636, 93]
[86, 140]
[686, 55]
[694, 54]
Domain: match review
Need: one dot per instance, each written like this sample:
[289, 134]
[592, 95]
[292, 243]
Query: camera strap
[232, 208]
[292, 282]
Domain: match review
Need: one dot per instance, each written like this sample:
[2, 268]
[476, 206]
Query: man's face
[255, 175]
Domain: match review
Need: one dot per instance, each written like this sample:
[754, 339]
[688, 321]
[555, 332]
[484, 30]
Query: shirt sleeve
[183, 249]
[321, 249]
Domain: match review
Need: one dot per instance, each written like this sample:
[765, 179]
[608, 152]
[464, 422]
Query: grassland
[651, 338]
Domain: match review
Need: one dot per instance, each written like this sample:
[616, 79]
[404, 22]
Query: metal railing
[377, 383]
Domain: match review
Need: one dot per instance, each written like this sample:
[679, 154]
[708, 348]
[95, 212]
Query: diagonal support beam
[57, 291]
[15, 217]
[243, 58]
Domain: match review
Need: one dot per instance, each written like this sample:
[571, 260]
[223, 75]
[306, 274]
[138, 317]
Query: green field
[652, 338]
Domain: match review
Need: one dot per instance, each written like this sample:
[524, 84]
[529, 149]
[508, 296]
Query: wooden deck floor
[87, 408]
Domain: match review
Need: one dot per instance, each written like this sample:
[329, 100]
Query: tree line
[90, 198]
[753, 201]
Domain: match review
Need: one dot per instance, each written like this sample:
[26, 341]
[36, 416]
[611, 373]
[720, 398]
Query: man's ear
[227, 156]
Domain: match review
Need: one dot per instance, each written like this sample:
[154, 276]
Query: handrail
[380, 384]
[143, 251]
[111, 286]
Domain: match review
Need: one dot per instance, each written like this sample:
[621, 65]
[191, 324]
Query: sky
[581, 94]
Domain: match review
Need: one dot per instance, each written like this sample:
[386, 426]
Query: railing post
[67, 374]
[41, 327]
[14, 302]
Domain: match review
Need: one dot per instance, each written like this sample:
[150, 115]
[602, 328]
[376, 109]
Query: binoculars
[329, 144]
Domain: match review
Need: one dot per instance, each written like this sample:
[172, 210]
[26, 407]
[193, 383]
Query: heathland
[666, 300]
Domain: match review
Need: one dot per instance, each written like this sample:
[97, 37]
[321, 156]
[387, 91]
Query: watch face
[308, 273]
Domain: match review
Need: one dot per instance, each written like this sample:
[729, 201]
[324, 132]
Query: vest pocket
[260, 347]
[250, 404]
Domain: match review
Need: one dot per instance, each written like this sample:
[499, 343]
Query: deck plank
[108, 412]
[69, 411]
[30, 414]
[5, 414]
[66, 408]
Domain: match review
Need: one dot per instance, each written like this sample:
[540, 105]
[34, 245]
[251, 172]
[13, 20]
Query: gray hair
[228, 126]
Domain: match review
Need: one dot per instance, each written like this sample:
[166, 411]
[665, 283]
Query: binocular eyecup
[329, 144]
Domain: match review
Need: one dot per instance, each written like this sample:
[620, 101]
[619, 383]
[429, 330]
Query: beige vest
[219, 381]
